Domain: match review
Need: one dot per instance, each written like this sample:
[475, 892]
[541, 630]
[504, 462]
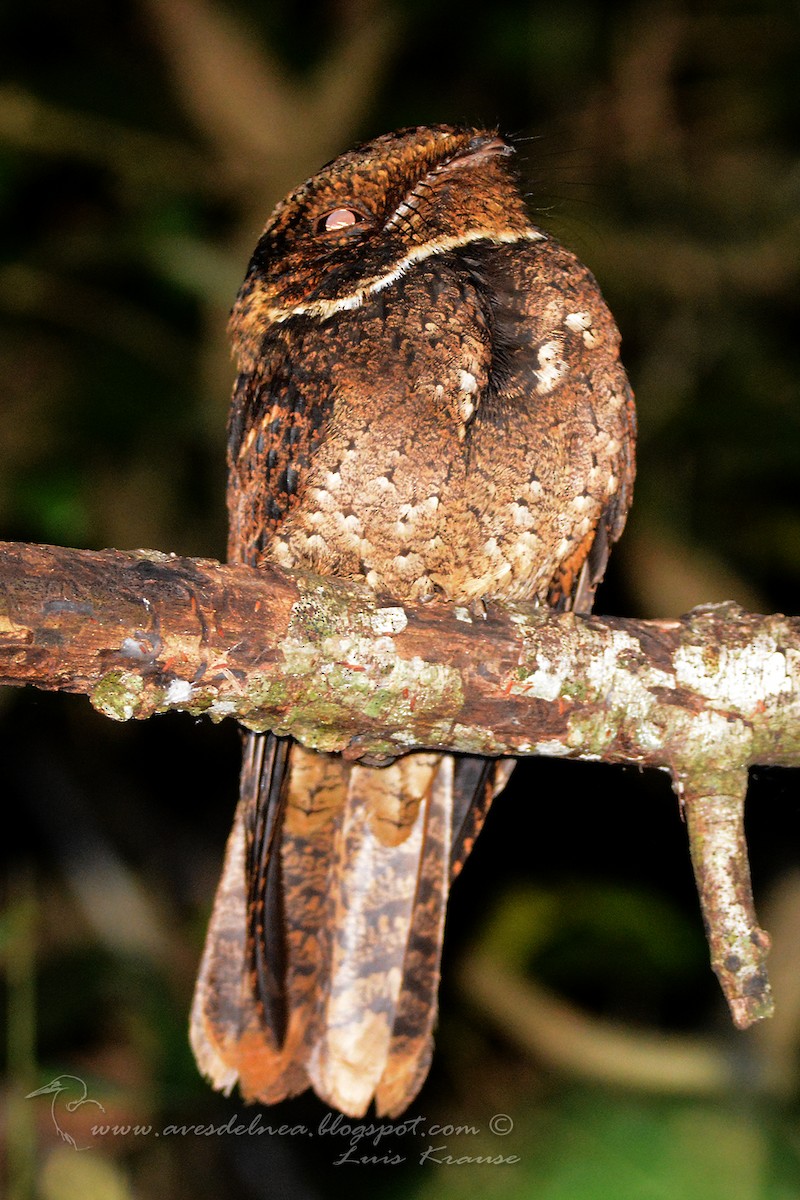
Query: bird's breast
[464, 455]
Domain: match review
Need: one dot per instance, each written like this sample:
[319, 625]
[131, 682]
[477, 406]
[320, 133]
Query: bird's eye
[339, 218]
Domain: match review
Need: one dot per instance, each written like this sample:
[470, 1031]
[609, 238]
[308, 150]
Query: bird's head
[50, 1089]
[369, 215]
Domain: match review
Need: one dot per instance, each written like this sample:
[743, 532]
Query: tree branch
[328, 662]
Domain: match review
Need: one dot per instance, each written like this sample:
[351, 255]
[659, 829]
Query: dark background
[142, 145]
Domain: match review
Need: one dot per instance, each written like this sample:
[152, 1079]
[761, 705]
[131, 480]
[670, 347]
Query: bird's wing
[558, 349]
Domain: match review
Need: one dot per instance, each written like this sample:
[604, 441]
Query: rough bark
[327, 661]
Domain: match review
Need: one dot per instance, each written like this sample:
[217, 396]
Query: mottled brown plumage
[430, 399]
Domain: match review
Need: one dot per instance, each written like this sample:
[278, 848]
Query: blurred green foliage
[587, 1147]
[142, 144]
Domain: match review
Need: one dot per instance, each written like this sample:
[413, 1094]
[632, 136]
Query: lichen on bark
[704, 697]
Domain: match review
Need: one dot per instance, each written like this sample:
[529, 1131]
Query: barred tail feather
[323, 955]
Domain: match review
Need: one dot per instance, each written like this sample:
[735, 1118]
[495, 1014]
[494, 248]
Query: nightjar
[429, 399]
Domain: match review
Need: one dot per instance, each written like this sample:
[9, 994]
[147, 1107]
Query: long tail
[322, 959]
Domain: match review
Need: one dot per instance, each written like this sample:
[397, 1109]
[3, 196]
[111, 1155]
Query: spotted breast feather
[430, 400]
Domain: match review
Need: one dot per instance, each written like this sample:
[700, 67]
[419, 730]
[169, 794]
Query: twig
[341, 669]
